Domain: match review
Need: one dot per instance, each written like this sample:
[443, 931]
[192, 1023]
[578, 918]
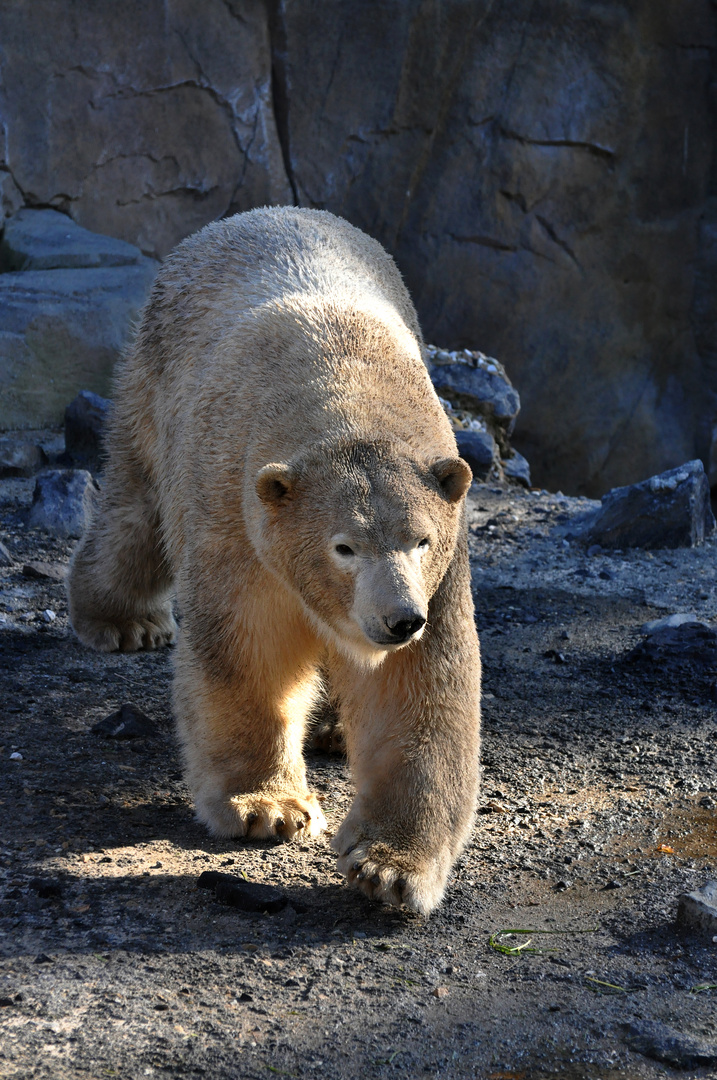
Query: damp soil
[597, 810]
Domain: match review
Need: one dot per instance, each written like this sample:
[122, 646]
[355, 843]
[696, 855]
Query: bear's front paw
[391, 876]
[128, 635]
[261, 816]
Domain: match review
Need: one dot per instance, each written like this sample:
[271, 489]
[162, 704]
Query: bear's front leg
[241, 701]
[412, 730]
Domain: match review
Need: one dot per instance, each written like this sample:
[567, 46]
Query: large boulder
[60, 331]
[667, 511]
[48, 240]
[479, 384]
[63, 502]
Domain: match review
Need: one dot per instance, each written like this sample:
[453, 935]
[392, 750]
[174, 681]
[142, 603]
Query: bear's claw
[391, 876]
[264, 816]
[128, 635]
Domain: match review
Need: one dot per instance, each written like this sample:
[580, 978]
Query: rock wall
[541, 170]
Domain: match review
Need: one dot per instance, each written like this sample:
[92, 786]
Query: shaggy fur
[278, 457]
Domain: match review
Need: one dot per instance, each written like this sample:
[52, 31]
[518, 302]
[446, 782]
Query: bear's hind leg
[119, 583]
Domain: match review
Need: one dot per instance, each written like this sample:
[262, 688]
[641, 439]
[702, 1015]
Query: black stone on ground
[127, 723]
[245, 895]
[663, 1043]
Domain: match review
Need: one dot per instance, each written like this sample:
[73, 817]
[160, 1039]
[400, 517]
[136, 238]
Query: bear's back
[250, 259]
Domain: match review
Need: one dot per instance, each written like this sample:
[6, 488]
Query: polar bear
[279, 459]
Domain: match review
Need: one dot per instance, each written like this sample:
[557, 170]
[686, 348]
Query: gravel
[592, 824]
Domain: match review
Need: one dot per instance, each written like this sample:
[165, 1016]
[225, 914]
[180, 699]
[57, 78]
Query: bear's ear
[454, 475]
[274, 484]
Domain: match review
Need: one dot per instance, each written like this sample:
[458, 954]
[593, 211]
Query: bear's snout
[404, 625]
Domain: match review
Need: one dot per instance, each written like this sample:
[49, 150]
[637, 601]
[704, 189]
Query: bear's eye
[343, 549]
[424, 543]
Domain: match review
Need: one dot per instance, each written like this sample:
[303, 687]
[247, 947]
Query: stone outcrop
[68, 298]
[543, 174]
[62, 502]
[47, 240]
[482, 405]
[667, 511]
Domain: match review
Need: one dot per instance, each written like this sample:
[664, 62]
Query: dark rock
[43, 958]
[127, 723]
[62, 502]
[48, 240]
[85, 422]
[5, 1001]
[667, 511]
[484, 389]
[665, 1044]
[517, 468]
[245, 895]
[479, 450]
[44, 571]
[62, 330]
[44, 888]
[18, 457]
[695, 641]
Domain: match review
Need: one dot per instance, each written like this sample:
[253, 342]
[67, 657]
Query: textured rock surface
[19, 457]
[48, 240]
[479, 384]
[663, 1043]
[166, 120]
[479, 450]
[543, 173]
[60, 331]
[518, 469]
[667, 511]
[62, 502]
[698, 910]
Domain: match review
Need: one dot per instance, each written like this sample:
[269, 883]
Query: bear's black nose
[402, 628]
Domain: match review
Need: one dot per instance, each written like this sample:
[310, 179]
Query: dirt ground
[597, 811]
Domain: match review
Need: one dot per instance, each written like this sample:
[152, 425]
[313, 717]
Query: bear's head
[364, 534]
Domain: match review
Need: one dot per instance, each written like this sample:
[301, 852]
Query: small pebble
[16, 756]
[48, 615]
[44, 888]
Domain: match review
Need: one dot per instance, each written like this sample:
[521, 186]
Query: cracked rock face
[540, 173]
